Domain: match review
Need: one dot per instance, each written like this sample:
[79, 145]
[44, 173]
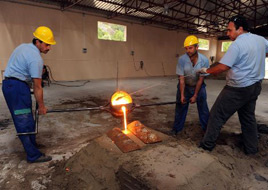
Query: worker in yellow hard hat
[45, 35]
[26, 64]
[191, 87]
[190, 40]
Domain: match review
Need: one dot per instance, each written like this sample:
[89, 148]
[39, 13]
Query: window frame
[201, 48]
[114, 40]
[222, 45]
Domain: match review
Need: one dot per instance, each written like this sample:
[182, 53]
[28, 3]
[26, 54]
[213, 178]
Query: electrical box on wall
[84, 50]
[141, 64]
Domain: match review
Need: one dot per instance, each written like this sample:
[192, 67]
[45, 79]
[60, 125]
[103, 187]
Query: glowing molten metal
[121, 103]
[121, 98]
[125, 119]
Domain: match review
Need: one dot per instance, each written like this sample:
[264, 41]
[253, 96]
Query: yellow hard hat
[190, 40]
[44, 34]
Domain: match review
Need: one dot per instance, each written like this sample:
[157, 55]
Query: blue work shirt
[246, 58]
[185, 68]
[25, 63]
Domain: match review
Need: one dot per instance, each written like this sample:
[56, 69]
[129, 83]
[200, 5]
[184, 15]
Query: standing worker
[191, 86]
[245, 63]
[26, 64]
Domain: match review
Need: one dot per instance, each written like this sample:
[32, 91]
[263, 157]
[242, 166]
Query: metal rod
[75, 109]
[154, 85]
[84, 109]
[58, 111]
[36, 119]
[27, 133]
[117, 75]
[154, 104]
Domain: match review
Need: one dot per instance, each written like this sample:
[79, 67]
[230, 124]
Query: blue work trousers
[18, 98]
[182, 109]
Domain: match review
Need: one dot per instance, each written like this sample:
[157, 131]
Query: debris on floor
[85, 158]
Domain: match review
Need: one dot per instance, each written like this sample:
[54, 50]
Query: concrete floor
[164, 88]
[64, 134]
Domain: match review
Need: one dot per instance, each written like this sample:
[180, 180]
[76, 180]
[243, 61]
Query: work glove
[202, 70]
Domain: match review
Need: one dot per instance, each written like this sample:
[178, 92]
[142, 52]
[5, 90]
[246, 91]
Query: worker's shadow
[233, 140]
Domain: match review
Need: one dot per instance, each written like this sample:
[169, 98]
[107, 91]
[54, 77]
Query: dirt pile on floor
[177, 163]
[166, 165]
[91, 168]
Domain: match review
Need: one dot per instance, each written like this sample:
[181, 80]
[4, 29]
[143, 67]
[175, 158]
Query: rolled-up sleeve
[36, 67]
[266, 45]
[206, 65]
[179, 68]
[231, 56]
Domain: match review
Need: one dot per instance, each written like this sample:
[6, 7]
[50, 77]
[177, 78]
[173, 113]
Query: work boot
[173, 132]
[262, 128]
[247, 152]
[42, 158]
[204, 147]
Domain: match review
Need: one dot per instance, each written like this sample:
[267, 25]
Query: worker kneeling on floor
[26, 64]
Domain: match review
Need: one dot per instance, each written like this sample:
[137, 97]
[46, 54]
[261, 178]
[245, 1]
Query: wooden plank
[122, 141]
[143, 133]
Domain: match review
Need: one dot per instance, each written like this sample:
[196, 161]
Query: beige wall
[212, 48]
[219, 53]
[157, 48]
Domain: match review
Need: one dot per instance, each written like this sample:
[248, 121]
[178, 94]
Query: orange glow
[121, 98]
[125, 119]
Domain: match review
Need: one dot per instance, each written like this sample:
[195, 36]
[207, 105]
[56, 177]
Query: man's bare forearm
[182, 85]
[38, 92]
[198, 85]
[217, 68]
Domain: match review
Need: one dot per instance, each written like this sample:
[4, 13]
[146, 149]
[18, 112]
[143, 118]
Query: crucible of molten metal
[119, 100]
[121, 104]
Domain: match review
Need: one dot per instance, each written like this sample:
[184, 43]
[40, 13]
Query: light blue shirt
[25, 63]
[246, 58]
[185, 68]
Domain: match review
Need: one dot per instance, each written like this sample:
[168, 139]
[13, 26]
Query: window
[225, 46]
[109, 31]
[203, 44]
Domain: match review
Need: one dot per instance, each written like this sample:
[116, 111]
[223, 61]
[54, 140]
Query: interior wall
[157, 48]
[219, 53]
[212, 49]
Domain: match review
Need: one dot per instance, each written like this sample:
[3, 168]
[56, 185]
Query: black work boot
[203, 146]
[42, 158]
[173, 133]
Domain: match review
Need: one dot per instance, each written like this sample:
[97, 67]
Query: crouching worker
[25, 64]
[191, 86]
